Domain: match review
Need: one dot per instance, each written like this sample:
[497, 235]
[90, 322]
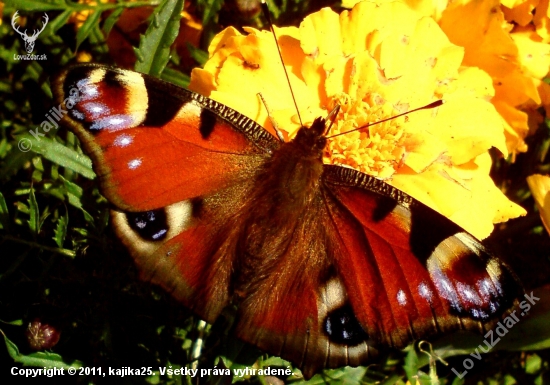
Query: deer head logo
[29, 40]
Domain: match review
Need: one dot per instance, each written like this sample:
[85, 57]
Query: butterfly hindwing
[194, 258]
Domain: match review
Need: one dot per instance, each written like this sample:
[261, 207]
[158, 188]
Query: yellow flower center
[376, 150]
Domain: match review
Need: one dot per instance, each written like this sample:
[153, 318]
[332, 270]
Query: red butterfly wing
[367, 267]
[188, 248]
[289, 296]
[176, 165]
[153, 143]
[408, 271]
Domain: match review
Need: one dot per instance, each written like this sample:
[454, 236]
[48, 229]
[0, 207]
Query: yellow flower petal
[515, 63]
[321, 35]
[533, 55]
[469, 135]
[541, 20]
[540, 188]
[544, 92]
[374, 62]
[465, 194]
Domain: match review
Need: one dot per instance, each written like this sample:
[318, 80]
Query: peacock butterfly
[327, 265]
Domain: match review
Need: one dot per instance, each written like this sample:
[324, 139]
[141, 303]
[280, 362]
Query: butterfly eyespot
[342, 327]
[150, 225]
[145, 231]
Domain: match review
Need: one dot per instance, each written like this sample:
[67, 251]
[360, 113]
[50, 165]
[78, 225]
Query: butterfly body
[285, 197]
[327, 265]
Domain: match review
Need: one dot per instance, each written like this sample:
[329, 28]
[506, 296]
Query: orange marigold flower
[375, 61]
[540, 188]
[508, 39]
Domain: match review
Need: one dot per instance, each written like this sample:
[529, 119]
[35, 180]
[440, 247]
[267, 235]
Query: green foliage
[62, 155]
[60, 261]
[154, 46]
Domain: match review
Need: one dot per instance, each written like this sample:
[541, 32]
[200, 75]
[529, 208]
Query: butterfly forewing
[140, 129]
[326, 265]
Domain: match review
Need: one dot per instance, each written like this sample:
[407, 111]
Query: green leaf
[60, 20]
[74, 192]
[458, 381]
[17, 322]
[61, 155]
[4, 214]
[411, 364]
[4, 147]
[211, 9]
[39, 359]
[74, 195]
[175, 77]
[532, 331]
[533, 364]
[198, 54]
[60, 231]
[34, 221]
[16, 159]
[38, 169]
[154, 47]
[342, 376]
[45, 214]
[37, 6]
[91, 22]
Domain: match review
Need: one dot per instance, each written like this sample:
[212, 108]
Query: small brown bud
[42, 336]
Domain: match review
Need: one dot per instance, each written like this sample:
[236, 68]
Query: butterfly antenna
[273, 121]
[332, 117]
[437, 103]
[265, 11]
